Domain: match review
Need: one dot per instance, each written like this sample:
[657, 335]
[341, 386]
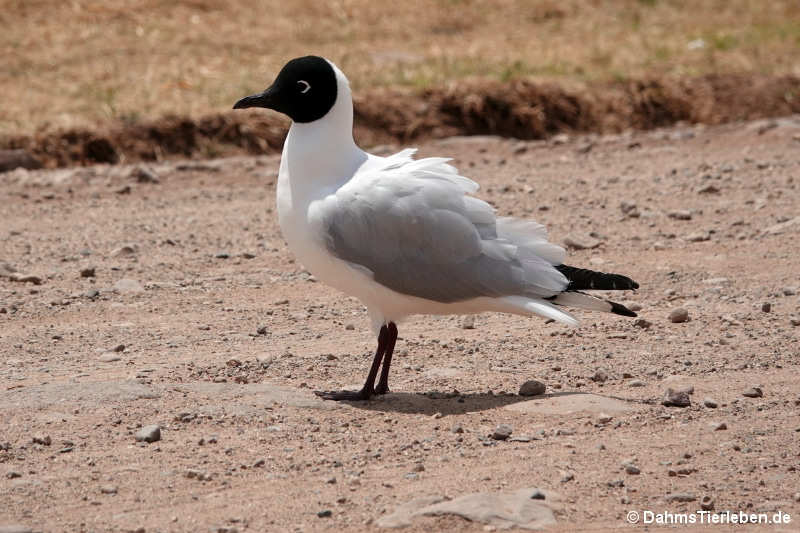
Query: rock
[457, 428]
[119, 348]
[678, 315]
[144, 175]
[126, 285]
[718, 426]
[637, 383]
[642, 323]
[532, 387]
[259, 463]
[128, 249]
[673, 398]
[327, 513]
[13, 474]
[789, 291]
[25, 278]
[680, 215]
[707, 503]
[262, 330]
[629, 209]
[108, 489]
[604, 418]
[88, 272]
[794, 321]
[199, 475]
[708, 189]
[600, 376]
[150, 433]
[502, 432]
[468, 322]
[109, 357]
[753, 392]
[44, 440]
[567, 477]
[710, 403]
[698, 236]
[766, 307]
[13, 159]
[632, 469]
[581, 242]
[680, 497]
[528, 508]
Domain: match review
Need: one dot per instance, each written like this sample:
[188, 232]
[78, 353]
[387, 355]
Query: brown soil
[225, 337]
[520, 109]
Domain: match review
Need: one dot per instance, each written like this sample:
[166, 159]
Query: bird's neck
[322, 154]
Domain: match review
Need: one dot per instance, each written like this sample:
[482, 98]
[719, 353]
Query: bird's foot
[382, 388]
[345, 395]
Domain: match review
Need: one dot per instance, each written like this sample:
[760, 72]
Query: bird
[406, 236]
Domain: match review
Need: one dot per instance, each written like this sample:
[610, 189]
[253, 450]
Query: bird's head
[305, 90]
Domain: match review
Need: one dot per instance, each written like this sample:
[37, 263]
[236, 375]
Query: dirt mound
[522, 109]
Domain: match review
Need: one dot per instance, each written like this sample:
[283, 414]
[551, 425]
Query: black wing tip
[619, 309]
[585, 279]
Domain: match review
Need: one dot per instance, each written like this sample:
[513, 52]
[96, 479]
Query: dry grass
[81, 62]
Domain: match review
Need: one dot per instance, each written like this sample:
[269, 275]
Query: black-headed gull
[405, 236]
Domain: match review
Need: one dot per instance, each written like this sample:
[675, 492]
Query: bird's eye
[304, 86]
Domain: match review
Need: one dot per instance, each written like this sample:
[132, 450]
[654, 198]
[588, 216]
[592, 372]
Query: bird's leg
[368, 389]
[383, 384]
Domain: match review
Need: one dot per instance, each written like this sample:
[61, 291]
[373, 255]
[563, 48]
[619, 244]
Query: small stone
[567, 477]
[604, 418]
[707, 503]
[532, 387]
[600, 376]
[331, 480]
[44, 440]
[797, 496]
[673, 398]
[87, 272]
[708, 189]
[150, 433]
[766, 307]
[680, 497]
[457, 428]
[753, 392]
[502, 432]
[222, 255]
[468, 322]
[109, 357]
[538, 495]
[119, 348]
[128, 285]
[259, 462]
[125, 189]
[13, 474]
[642, 323]
[794, 321]
[127, 249]
[262, 330]
[327, 513]
[678, 315]
[789, 291]
[108, 489]
[719, 426]
[710, 403]
[144, 175]
[698, 236]
[680, 215]
[632, 469]
[581, 242]
[637, 383]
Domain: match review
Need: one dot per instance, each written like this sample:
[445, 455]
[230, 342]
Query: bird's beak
[263, 99]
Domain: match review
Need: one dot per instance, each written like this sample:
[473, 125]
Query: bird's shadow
[447, 404]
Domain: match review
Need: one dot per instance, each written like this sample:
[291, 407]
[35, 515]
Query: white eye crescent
[305, 86]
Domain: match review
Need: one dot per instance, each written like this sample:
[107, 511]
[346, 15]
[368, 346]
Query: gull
[406, 236]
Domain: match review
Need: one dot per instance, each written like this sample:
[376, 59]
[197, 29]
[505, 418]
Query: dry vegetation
[78, 63]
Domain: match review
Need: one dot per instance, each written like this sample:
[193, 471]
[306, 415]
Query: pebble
[567, 476]
[680, 497]
[766, 307]
[632, 469]
[604, 418]
[532, 387]
[109, 357]
[88, 272]
[600, 376]
[637, 383]
[259, 462]
[794, 321]
[144, 175]
[123, 250]
[753, 392]
[128, 285]
[707, 503]
[108, 489]
[468, 322]
[642, 323]
[13, 474]
[44, 440]
[502, 432]
[581, 242]
[680, 215]
[719, 426]
[326, 513]
[197, 474]
[15, 528]
[698, 236]
[539, 495]
[150, 433]
[789, 291]
[678, 315]
[673, 398]
[710, 402]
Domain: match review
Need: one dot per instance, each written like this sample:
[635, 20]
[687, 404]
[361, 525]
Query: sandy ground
[196, 318]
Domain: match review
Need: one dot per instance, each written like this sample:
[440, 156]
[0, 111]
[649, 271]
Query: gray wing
[412, 225]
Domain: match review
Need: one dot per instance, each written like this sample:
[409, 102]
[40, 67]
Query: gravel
[150, 433]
